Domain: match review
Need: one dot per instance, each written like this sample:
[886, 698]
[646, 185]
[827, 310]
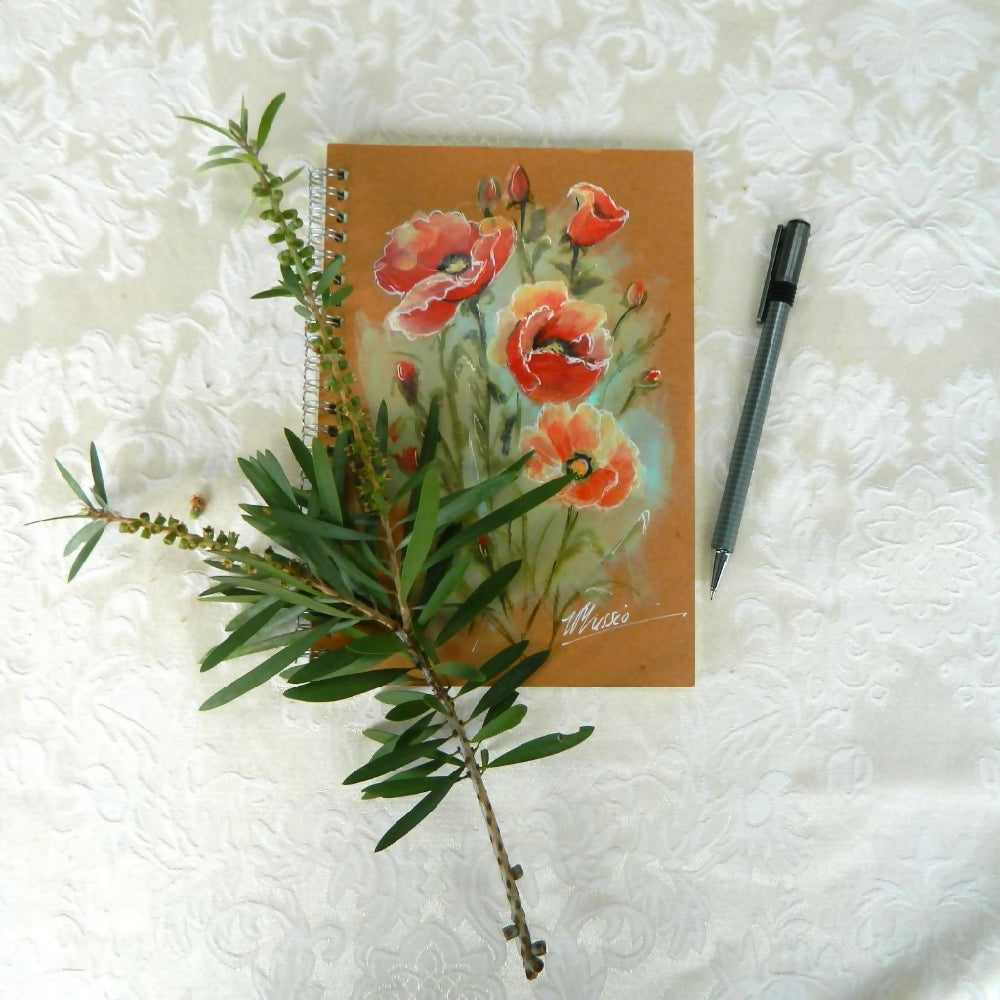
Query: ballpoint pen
[787, 252]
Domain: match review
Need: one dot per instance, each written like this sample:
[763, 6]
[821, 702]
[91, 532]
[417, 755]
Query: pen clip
[766, 294]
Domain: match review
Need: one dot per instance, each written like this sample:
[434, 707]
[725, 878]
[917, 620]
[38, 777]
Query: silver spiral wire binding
[325, 188]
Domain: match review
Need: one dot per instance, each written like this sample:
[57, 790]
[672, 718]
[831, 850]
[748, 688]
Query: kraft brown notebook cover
[544, 298]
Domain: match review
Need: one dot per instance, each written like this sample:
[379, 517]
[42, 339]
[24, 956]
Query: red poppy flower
[555, 347]
[437, 261]
[596, 216]
[588, 443]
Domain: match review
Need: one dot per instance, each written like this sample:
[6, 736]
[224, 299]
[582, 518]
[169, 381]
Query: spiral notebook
[544, 299]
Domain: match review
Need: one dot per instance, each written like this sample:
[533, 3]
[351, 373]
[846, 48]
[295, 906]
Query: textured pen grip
[751, 424]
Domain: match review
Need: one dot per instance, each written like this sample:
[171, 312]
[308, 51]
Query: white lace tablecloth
[817, 819]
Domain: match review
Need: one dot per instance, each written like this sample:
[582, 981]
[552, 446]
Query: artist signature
[586, 621]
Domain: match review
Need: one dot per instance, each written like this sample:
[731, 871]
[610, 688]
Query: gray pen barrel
[751, 424]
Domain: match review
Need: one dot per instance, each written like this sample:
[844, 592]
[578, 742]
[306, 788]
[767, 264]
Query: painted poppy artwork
[538, 303]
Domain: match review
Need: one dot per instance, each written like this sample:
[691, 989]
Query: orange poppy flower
[436, 262]
[596, 217]
[589, 444]
[555, 347]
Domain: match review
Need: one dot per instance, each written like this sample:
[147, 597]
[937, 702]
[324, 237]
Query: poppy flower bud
[597, 215]
[635, 295]
[651, 378]
[489, 195]
[406, 376]
[518, 187]
[408, 460]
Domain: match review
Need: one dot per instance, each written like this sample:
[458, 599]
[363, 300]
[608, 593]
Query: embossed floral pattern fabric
[816, 819]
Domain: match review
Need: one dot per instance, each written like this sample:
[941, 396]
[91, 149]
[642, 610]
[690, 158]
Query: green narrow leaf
[84, 553]
[498, 708]
[444, 589]
[456, 505]
[74, 485]
[224, 161]
[270, 492]
[302, 455]
[410, 485]
[267, 120]
[390, 761]
[237, 584]
[343, 686]
[480, 598]
[502, 515]
[225, 148]
[421, 538]
[503, 722]
[544, 746]
[406, 711]
[205, 124]
[273, 293]
[398, 787]
[268, 461]
[95, 467]
[497, 664]
[432, 434]
[237, 638]
[330, 663]
[380, 644]
[263, 672]
[290, 177]
[455, 668]
[326, 485]
[419, 812]
[340, 461]
[302, 523]
[255, 605]
[87, 532]
[331, 272]
[333, 298]
[401, 695]
[511, 681]
[273, 639]
[382, 427]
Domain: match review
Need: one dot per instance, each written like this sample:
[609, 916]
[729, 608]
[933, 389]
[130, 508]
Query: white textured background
[817, 819]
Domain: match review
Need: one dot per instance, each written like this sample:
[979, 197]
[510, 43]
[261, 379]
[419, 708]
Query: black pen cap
[787, 253]
[791, 252]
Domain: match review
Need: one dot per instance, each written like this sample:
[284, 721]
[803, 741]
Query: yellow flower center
[579, 466]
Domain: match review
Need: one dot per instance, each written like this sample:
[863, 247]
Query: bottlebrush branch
[367, 569]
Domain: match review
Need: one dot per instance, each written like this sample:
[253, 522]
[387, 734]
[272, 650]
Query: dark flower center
[554, 345]
[455, 263]
[579, 466]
